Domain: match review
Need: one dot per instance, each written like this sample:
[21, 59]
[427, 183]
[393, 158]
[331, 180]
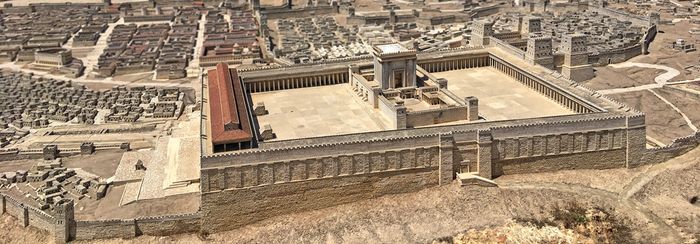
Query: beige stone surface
[126, 170]
[317, 111]
[500, 96]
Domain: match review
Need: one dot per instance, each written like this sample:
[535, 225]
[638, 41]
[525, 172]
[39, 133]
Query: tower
[64, 226]
[654, 18]
[576, 65]
[481, 32]
[529, 24]
[539, 51]
[394, 66]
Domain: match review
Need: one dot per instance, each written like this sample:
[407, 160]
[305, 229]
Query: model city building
[260, 110]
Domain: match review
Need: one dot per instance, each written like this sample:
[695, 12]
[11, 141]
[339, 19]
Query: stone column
[636, 140]
[446, 169]
[484, 141]
[472, 108]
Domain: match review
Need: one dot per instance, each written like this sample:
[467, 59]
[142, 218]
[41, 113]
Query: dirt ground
[108, 207]
[651, 202]
[663, 123]
[685, 101]
[103, 164]
[608, 77]
[14, 165]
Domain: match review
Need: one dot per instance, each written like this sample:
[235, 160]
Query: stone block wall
[436, 116]
[615, 56]
[26, 215]
[168, 225]
[89, 230]
[583, 160]
[317, 168]
[229, 209]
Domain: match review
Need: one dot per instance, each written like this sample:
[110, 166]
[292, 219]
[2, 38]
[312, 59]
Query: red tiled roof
[228, 114]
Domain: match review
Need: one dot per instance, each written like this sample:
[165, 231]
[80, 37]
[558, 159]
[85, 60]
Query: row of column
[539, 87]
[297, 82]
[455, 64]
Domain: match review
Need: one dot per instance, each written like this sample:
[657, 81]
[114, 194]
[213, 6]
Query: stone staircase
[473, 179]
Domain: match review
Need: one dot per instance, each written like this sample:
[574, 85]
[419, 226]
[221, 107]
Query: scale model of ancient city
[350, 121]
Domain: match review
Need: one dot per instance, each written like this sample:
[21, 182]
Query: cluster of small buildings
[683, 46]
[50, 184]
[129, 104]
[132, 49]
[28, 101]
[604, 32]
[230, 42]
[305, 40]
[10, 135]
[178, 50]
[33, 102]
[440, 37]
[24, 30]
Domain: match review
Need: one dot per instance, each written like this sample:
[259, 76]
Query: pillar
[25, 216]
[446, 168]
[636, 140]
[484, 142]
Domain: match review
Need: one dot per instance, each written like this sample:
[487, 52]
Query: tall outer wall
[243, 188]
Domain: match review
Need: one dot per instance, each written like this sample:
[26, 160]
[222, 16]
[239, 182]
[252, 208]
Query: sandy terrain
[663, 123]
[608, 77]
[103, 164]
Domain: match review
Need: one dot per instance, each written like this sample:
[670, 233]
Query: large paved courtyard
[500, 96]
[317, 111]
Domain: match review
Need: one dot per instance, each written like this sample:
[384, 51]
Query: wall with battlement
[22, 154]
[614, 56]
[130, 228]
[27, 215]
[88, 230]
[262, 182]
[635, 19]
[436, 116]
[101, 229]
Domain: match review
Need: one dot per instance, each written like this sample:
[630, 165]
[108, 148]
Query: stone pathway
[660, 81]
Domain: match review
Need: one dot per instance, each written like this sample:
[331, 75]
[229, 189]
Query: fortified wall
[289, 176]
[62, 225]
[54, 151]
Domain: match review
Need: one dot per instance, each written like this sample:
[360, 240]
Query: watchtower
[539, 51]
[64, 226]
[529, 24]
[481, 32]
[394, 66]
[50, 152]
[576, 65]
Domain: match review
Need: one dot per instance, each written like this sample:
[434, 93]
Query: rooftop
[391, 48]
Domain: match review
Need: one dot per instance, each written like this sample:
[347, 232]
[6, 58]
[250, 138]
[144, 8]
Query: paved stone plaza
[317, 111]
[500, 96]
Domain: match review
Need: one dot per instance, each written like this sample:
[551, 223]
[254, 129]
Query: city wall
[21, 154]
[130, 228]
[99, 229]
[27, 215]
[636, 20]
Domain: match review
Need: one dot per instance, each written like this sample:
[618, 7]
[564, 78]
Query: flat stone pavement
[317, 111]
[500, 96]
